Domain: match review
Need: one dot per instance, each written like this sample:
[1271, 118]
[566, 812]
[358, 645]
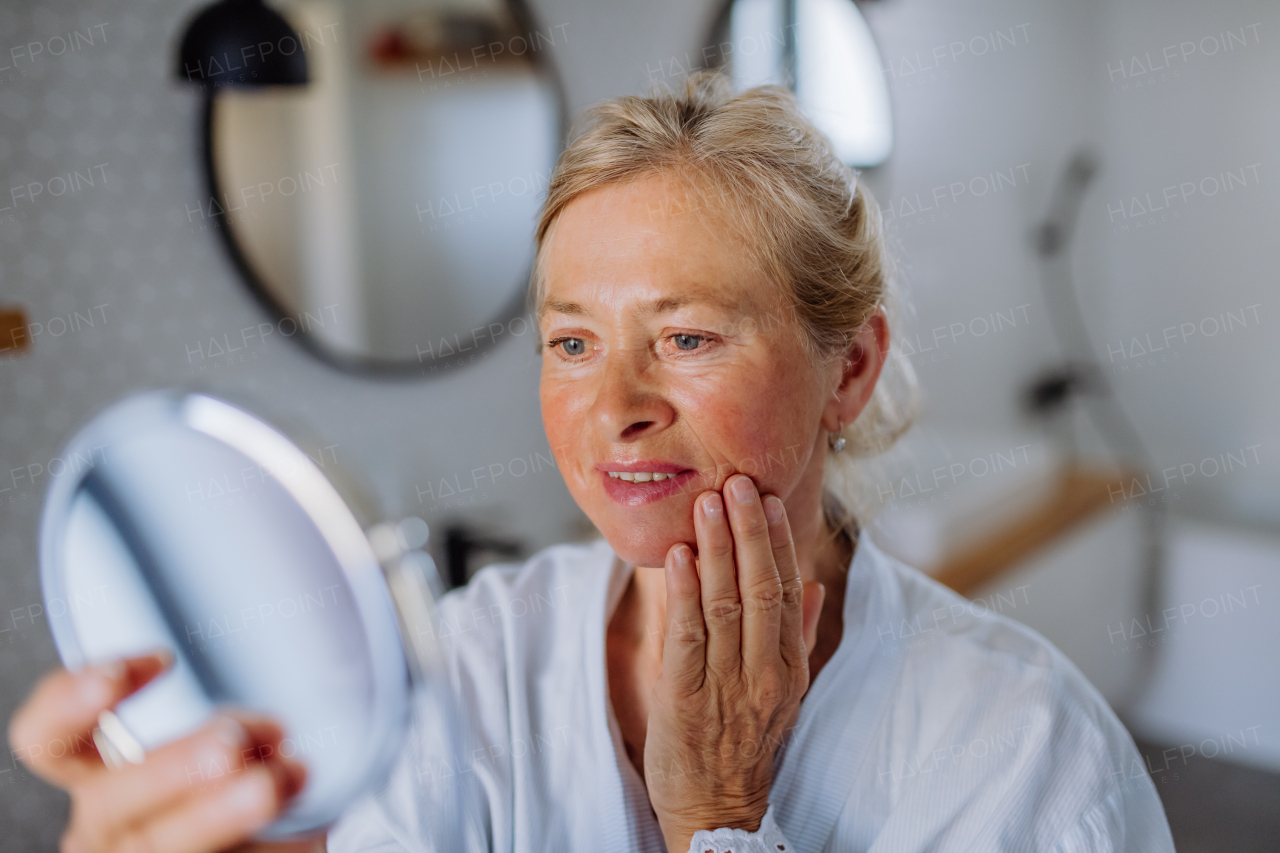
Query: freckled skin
[747, 399]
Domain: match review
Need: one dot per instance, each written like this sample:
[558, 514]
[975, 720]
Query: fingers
[207, 791]
[684, 648]
[758, 578]
[114, 802]
[51, 732]
[782, 547]
[218, 819]
[721, 603]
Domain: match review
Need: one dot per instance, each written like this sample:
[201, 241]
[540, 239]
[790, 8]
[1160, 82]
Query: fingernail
[773, 509]
[112, 670]
[683, 556]
[250, 793]
[713, 507]
[100, 686]
[743, 490]
[230, 732]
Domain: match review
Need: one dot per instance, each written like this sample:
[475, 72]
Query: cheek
[761, 423]
[563, 419]
[553, 421]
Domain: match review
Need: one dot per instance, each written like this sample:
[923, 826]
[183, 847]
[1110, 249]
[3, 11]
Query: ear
[857, 372]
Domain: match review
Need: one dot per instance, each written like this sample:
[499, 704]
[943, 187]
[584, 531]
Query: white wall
[1206, 405]
[1215, 687]
[1210, 113]
[1032, 103]
[1009, 102]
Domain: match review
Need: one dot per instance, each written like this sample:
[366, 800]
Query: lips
[644, 488]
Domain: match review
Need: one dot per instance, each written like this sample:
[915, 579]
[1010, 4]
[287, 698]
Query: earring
[835, 440]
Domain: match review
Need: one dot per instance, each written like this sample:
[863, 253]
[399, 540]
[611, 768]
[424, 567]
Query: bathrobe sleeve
[433, 802]
[449, 791]
[500, 755]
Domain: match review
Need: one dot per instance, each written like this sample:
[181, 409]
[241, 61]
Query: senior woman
[735, 666]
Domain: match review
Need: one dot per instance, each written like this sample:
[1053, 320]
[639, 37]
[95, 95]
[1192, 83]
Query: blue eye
[572, 346]
[687, 342]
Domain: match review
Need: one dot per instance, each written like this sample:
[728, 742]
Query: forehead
[659, 240]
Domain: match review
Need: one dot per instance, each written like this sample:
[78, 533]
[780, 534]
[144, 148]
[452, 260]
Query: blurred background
[1080, 197]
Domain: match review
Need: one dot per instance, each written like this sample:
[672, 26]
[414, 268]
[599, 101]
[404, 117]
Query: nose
[628, 406]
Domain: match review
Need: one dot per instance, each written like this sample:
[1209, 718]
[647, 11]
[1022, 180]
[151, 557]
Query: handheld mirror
[196, 527]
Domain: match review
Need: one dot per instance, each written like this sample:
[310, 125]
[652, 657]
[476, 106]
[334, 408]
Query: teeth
[640, 476]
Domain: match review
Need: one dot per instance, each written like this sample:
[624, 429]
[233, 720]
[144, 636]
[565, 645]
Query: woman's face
[671, 360]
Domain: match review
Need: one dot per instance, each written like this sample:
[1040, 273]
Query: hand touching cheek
[734, 666]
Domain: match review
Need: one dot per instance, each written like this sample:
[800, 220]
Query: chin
[646, 545]
[644, 557]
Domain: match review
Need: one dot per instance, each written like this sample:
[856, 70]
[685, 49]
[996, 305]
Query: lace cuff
[768, 839]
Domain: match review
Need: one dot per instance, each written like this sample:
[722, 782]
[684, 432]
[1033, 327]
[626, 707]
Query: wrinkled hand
[735, 665]
[209, 791]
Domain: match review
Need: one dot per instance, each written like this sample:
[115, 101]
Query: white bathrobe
[935, 726]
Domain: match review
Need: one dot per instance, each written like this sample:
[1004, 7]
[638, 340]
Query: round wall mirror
[195, 527]
[384, 203]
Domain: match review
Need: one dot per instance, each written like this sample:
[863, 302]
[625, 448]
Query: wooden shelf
[14, 335]
[1077, 495]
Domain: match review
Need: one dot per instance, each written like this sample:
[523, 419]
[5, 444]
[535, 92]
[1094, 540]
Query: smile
[639, 476]
[653, 482]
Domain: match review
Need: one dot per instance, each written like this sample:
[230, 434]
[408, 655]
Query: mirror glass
[388, 206]
[825, 52]
[195, 527]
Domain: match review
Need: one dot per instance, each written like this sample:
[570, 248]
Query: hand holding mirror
[195, 527]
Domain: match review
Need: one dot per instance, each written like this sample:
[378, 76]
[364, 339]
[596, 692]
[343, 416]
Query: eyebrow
[559, 306]
[659, 306]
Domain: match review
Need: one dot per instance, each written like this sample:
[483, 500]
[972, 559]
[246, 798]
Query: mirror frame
[382, 617]
[366, 366]
[718, 31]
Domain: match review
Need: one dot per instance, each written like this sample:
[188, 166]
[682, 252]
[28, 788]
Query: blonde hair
[816, 229]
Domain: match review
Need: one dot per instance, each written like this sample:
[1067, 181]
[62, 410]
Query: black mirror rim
[364, 366]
